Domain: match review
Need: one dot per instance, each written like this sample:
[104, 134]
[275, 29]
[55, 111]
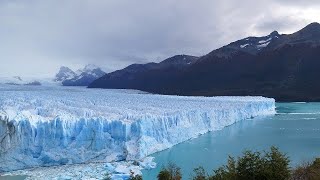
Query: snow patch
[265, 41]
[244, 45]
[263, 45]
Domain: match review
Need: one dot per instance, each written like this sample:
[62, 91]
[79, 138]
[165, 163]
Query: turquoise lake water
[13, 177]
[295, 129]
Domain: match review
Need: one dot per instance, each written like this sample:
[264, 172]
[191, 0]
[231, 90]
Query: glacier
[48, 126]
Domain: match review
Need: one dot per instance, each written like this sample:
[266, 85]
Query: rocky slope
[282, 66]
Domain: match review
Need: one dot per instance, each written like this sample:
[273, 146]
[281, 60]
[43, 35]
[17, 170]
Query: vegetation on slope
[266, 165]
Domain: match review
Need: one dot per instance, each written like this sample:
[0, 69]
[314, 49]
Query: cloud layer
[38, 36]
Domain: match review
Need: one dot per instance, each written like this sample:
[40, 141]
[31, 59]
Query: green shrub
[268, 165]
[307, 171]
[276, 165]
[226, 172]
[199, 174]
[272, 165]
[164, 174]
[171, 172]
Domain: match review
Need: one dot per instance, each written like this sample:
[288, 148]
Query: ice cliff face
[42, 126]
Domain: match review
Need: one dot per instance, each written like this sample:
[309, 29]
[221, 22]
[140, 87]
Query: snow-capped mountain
[253, 45]
[64, 74]
[283, 66]
[81, 77]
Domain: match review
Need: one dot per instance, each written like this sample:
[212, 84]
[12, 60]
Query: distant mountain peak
[283, 66]
[252, 45]
[309, 35]
[311, 28]
[313, 25]
[81, 77]
[274, 33]
[64, 74]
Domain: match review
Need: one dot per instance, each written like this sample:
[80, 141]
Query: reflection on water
[295, 130]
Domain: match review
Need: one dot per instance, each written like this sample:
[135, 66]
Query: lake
[295, 129]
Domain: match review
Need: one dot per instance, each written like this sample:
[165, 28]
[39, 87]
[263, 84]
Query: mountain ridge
[276, 65]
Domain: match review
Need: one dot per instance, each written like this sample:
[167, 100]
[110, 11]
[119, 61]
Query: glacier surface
[46, 126]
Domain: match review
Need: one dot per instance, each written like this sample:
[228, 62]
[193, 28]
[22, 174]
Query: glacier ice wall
[45, 126]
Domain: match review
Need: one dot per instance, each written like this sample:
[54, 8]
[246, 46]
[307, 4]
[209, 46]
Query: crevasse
[45, 126]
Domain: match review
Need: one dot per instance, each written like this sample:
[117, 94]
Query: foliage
[272, 165]
[227, 172]
[266, 165]
[199, 174]
[307, 171]
[276, 165]
[171, 172]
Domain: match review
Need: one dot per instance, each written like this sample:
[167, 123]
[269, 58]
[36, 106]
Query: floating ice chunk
[3, 116]
[80, 171]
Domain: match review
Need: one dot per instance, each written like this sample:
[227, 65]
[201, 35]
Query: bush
[307, 171]
[276, 165]
[227, 172]
[271, 165]
[171, 172]
[268, 165]
[199, 174]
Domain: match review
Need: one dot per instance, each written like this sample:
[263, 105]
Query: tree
[276, 165]
[171, 172]
[164, 174]
[249, 166]
[266, 165]
[227, 172]
[272, 165]
[307, 171]
[199, 174]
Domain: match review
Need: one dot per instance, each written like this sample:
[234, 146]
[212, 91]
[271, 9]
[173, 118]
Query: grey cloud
[300, 3]
[281, 24]
[39, 36]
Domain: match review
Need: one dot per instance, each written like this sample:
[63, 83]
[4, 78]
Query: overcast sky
[38, 36]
